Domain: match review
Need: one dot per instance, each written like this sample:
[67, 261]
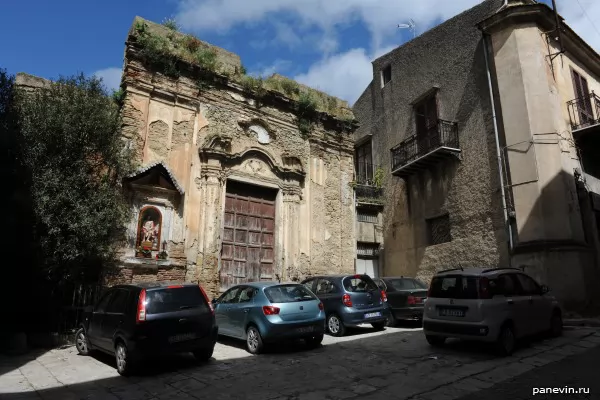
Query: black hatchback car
[134, 321]
[349, 300]
[406, 298]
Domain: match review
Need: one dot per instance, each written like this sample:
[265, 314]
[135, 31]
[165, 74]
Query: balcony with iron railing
[367, 185]
[419, 152]
[584, 113]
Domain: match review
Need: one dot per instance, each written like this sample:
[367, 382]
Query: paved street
[394, 364]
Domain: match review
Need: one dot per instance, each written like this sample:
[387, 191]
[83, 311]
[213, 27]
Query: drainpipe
[486, 47]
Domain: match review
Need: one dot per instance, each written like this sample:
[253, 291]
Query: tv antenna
[410, 25]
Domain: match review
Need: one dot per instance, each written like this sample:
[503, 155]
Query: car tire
[379, 326]
[314, 341]
[391, 321]
[254, 342]
[125, 362]
[556, 324]
[203, 354]
[81, 342]
[335, 326]
[435, 341]
[507, 341]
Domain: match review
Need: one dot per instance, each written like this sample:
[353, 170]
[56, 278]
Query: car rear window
[406, 284]
[166, 300]
[359, 284]
[454, 287]
[289, 294]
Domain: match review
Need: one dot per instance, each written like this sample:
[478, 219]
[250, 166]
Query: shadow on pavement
[285, 369]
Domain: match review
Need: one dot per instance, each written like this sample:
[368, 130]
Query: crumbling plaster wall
[175, 122]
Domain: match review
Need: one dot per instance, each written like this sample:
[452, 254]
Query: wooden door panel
[248, 236]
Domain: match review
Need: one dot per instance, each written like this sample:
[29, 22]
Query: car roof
[262, 285]
[477, 271]
[153, 285]
[334, 276]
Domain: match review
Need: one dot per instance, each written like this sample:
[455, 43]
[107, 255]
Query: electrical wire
[588, 17]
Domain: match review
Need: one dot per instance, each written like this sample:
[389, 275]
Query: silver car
[497, 305]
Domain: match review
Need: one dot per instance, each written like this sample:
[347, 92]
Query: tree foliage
[70, 148]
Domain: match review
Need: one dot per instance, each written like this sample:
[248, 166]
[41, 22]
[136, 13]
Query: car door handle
[246, 310]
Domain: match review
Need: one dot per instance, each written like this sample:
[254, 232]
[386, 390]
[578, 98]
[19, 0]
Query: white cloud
[380, 16]
[344, 75]
[111, 77]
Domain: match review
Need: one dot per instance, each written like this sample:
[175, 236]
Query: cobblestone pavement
[394, 364]
[576, 372]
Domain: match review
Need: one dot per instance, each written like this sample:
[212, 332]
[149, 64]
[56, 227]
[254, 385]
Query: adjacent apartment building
[485, 129]
[240, 179]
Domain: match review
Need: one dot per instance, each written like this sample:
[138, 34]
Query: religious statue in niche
[149, 230]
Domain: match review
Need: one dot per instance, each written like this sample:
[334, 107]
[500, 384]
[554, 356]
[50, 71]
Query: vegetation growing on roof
[168, 52]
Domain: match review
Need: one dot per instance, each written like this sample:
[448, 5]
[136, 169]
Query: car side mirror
[545, 289]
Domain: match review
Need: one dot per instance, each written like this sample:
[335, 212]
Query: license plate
[450, 312]
[373, 315]
[306, 329]
[182, 337]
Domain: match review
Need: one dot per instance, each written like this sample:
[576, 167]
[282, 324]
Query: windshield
[454, 287]
[359, 284]
[174, 299]
[289, 294]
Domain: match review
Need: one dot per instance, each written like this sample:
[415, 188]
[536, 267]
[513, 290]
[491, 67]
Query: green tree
[70, 160]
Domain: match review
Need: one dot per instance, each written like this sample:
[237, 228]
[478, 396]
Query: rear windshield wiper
[187, 307]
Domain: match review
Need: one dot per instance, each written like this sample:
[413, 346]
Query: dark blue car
[265, 312]
[349, 300]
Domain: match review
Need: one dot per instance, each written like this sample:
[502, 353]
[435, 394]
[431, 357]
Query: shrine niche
[149, 229]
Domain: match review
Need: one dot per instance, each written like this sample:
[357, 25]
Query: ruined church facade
[236, 182]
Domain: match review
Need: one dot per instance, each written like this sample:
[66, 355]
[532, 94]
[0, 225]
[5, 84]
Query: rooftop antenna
[411, 25]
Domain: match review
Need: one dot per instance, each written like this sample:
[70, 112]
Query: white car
[497, 305]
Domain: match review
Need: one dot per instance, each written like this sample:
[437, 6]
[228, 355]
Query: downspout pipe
[508, 227]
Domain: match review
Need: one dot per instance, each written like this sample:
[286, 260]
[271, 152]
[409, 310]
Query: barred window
[367, 216]
[367, 249]
[438, 230]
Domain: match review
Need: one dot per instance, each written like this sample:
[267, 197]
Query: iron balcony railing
[368, 193]
[442, 134]
[366, 187]
[584, 111]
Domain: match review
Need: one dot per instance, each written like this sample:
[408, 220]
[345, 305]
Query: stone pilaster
[292, 196]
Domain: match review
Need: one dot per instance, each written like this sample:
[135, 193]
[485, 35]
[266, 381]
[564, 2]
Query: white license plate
[182, 337]
[448, 312]
[306, 329]
[373, 315]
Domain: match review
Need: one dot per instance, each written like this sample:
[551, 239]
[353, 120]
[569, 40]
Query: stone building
[485, 127]
[240, 179]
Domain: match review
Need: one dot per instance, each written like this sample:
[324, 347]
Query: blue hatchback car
[265, 312]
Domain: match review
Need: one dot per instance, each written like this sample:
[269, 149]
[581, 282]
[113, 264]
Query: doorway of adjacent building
[247, 253]
[367, 259]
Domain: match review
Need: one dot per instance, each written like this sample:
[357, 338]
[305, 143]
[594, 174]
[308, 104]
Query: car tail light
[141, 309]
[321, 306]
[347, 300]
[411, 300]
[484, 288]
[210, 305]
[383, 295]
[270, 310]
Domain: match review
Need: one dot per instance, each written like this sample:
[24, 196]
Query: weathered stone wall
[211, 135]
[449, 57]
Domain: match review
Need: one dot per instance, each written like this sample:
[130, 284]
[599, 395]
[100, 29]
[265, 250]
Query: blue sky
[327, 44]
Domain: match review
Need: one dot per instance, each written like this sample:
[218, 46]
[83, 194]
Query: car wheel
[254, 342]
[124, 361]
[81, 342]
[314, 341]
[556, 324]
[391, 321]
[379, 326]
[506, 343]
[435, 341]
[203, 354]
[335, 326]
